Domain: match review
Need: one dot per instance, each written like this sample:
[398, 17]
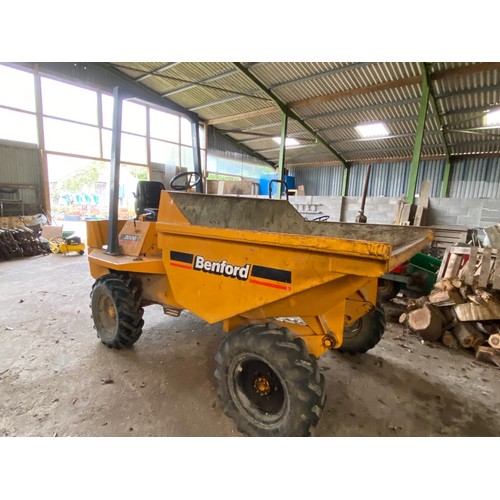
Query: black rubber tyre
[387, 289]
[365, 333]
[116, 310]
[81, 252]
[268, 383]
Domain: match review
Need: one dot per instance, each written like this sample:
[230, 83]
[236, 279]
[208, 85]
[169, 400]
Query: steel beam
[345, 181]
[447, 166]
[114, 185]
[415, 162]
[318, 75]
[195, 133]
[45, 202]
[155, 72]
[245, 149]
[285, 109]
[281, 162]
[105, 77]
[205, 80]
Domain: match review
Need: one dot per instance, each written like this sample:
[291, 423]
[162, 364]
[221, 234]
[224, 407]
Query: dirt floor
[57, 379]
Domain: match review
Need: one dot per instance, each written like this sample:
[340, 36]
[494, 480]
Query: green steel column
[412, 181]
[446, 178]
[281, 164]
[345, 181]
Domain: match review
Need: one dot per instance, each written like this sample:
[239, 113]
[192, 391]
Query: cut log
[488, 354]
[426, 322]
[456, 282]
[444, 284]
[494, 340]
[445, 298]
[402, 318]
[467, 335]
[478, 312]
[449, 340]
[416, 303]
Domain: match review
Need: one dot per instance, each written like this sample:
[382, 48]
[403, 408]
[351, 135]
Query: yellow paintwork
[244, 276]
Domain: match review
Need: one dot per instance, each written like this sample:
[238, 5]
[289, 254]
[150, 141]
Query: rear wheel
[365, 333]
[268, 383]
[387, 289]
[116, 310]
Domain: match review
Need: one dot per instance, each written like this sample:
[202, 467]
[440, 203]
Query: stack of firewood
[19, 242]
[460, 315]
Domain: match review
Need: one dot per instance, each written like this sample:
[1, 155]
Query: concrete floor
[53, 371]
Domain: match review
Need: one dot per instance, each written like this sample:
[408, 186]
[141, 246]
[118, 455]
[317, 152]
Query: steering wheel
[192, 179]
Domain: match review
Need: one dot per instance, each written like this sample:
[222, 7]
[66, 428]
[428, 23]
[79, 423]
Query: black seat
[147, 199]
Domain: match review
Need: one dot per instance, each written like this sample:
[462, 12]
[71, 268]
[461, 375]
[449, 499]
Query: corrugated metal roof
[464, 91]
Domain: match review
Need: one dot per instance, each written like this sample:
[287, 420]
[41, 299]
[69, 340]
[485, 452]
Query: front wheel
[268, 383]
[365, 333]
[116, 310]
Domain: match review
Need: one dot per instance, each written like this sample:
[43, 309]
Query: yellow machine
[287, 290]
[67, 245]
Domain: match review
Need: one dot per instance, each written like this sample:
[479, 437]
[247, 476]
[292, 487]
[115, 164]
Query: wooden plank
[418, 216]
[453, 266]
[405, 217]
[444, 262]
[496, 276]
[485, 267]
[425, 191]
[470, 267]
[466, 250]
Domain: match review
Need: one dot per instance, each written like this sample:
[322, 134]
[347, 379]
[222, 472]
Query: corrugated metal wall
[475, 178]
[20, 167]
[320, 181]
[470, 178]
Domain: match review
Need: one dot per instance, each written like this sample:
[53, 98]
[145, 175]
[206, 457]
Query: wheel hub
[262, 386]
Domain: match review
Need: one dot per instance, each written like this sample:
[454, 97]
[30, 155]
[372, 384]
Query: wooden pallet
[473, 265]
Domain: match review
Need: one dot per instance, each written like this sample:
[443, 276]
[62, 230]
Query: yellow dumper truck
[286, 290]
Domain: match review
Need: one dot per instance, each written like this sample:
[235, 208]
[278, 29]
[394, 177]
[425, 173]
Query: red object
[399, 269]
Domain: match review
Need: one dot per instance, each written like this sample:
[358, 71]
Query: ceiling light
[372, 130]
[288, 142]
[493, 117]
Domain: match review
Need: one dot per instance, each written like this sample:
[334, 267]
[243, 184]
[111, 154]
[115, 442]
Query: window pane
[187, 160]
[17, 89]
[65, 137]
[163, 125]
[164, 152]
[68, 101]
[133, 149]
[186, 135]
[134, 118]
[15, 126]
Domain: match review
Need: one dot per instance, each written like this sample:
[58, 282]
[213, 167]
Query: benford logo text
[222, 268]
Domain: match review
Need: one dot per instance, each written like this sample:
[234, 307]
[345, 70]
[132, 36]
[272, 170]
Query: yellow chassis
[205, 254]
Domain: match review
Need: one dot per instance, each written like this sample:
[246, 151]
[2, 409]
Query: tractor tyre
[387, 289]
[116, 310]
[365, 333]
[268, 383]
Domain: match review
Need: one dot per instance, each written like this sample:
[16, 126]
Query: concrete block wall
[382, 210]
[467, 212]
[379, 210]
